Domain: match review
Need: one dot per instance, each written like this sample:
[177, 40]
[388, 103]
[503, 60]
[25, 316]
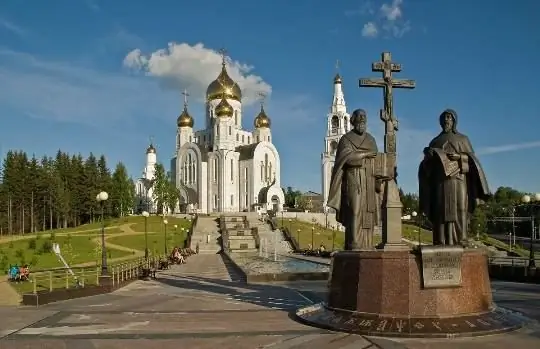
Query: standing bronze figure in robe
[451, 183]
[353, 186]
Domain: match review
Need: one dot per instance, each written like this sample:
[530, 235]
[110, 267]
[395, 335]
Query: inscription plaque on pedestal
[441, 266]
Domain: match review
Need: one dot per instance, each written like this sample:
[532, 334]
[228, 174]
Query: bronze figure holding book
[451, 183]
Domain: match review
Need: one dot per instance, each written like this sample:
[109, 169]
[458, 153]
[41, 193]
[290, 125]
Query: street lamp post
[175, 233]
[165, 222]
[298, 237]
[333, 239]
[527, 200]
[290, 222]
[101, 198]
[145, 215]
[312, 238]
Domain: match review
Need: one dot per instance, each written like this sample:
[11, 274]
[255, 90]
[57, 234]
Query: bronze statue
[451, 183]
[353, 185]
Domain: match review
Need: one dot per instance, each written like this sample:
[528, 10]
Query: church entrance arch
[275, 203]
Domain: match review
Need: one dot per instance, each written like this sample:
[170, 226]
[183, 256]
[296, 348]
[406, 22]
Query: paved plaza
[204, 304]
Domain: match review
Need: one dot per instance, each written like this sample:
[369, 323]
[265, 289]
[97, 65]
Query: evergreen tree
[161, 185]
[122, 191]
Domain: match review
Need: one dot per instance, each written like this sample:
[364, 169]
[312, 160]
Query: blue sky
[70, 77]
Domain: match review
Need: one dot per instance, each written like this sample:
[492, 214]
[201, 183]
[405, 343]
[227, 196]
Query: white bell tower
[337, 125]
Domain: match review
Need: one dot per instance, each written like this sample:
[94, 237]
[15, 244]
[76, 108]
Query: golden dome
[337, 79]
[185, 120]
[224, 109]
[151, 149]
[223, 85]
[262, 120]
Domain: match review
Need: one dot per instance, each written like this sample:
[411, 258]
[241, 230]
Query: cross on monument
[186, 95]
[387, 67]
[391, 207]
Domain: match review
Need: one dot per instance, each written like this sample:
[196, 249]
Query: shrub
[19, 254]
[32, 244]
[46, 247]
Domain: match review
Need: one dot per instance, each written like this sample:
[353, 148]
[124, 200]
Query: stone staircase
[269, 238]
[239, 237]
[206, 233]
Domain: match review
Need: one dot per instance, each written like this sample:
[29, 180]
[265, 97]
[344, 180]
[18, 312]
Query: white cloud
[12, 27]
[369, 30]
[392, 11]
[193, 67]
[389, 19]
[508, 148]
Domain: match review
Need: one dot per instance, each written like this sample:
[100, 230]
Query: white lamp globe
[145, 214]
[175, 226]
[165, 222]
[97, 198]
[537, 197]
[103, 196]
[414, 213]
[526, 199]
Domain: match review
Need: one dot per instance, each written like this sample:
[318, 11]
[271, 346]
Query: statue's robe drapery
[447, 200]
[352, 191]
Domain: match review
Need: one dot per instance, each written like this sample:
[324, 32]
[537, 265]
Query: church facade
[223, 167]
[337, 125]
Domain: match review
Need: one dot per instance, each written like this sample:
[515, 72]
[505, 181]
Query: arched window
[334, 124]
[246, 181]
[236, 117]
[217, 130]
[230, 130]
[258, 139]
[215, 169]
[266, 168]
[190, 167]
[262, 171]
[333, 147]
[237, 137]
[232, 170]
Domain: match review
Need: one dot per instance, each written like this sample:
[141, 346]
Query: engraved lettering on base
[399, 325]
[382, 325]
[441, 266]
[482, 322]
[419, 325]
[351, 321]
[436, 325]
[365, 323]
[471, 325]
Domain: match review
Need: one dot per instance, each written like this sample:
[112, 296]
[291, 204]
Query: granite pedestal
[381, 293]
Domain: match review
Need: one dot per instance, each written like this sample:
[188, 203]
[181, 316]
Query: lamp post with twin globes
[165, 222]
[145, 215]
[101, 198]
[414, 214]
[528, 201]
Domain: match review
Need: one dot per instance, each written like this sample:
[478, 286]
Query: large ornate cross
[387, 67]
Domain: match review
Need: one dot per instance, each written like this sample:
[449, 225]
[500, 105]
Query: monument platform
[383, 293]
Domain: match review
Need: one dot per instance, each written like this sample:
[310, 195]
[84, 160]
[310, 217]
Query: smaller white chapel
[223, 167]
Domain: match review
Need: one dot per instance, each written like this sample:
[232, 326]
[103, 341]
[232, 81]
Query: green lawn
[38, 254]
[302, 231]
[410, 232]
[156, 241]
[155, 223]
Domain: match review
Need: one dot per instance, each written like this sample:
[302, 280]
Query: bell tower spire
[337, 125]
[338, 102]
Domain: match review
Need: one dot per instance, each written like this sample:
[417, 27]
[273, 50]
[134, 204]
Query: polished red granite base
[381, 293]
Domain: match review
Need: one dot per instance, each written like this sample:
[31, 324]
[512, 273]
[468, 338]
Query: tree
[122, 191]
[51, 192]
[172, 196]
[160, 187]
[291, 196]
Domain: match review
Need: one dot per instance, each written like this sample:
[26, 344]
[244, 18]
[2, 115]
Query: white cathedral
[223, 167]
[337, 125]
